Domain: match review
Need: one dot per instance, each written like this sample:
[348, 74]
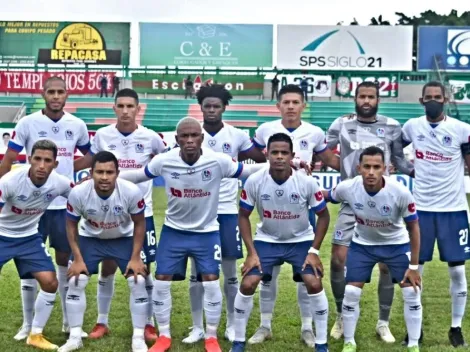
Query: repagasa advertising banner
[64, 43]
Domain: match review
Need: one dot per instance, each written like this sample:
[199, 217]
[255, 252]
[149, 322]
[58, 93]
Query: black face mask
[433, 109]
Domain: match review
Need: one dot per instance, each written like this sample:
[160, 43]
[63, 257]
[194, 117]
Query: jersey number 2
[45, 250]
[217, 252]
[463, 237]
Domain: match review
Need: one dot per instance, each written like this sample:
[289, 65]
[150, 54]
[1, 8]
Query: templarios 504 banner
[64, 43]
[179, 44]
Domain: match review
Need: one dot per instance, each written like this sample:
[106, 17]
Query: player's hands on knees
[137, 267]
[315, 262]
[251, 261]
[413, 277]
[76, 268]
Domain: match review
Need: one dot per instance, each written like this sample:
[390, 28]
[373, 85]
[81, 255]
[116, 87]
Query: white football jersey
[193, 190]
[230, 141]
[379, 217]
[68, 133]
[105, 218]
[307, 138]
[439, 163]
[133, 151]
[283, 209]
[23, 203]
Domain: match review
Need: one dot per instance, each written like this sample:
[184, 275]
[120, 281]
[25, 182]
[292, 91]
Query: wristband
[413, 267]
[313, 251]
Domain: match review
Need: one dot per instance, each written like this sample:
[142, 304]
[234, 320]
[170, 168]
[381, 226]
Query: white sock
[62, 289]
[138, 302]
[413, 314]
[319, 309]
[104, 296]
[76, 305]
[229, 268]
[352, 296]
[42, 311]
[243, 307]
[29, 290]
[196, 297]
[149, 289]
[458, 291]
[267, 298]
[212, 306]
[162, 306]
[303, 300]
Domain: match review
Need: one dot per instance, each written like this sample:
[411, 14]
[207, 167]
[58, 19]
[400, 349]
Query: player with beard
[354, 133]
[68, 133]
[223, 138]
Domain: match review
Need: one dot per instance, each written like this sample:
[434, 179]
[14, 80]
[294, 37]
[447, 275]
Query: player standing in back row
[223, 138]
[354, 134]
[442, 147]
[307, 139]
[134, 146]
[68, 133]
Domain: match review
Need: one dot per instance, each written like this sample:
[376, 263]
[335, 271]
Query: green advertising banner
[64, 43]
[176, 83]
[388, 84]
[169, 44]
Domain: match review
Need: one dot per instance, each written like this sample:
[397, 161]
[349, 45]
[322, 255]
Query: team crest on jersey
[433, 135]
[91, 211]
[338, 234]
[226, 148]
[279, 192]
[381, 132]
[48, 197]
[206, 175]
[212, 142]
[117, 210]
[105, 208]
[265, 197]
[111, 147]
[36, 193]
[385, 210]
[303, 145]
[139, 148]
[447, 140]
[22, 198]
[125, 142]
[42, 134]
[420, 137]
[55, 129]
[294, 198]
[371, 204]
[68, 135]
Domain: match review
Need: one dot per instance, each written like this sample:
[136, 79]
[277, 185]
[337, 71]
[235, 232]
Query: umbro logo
[321, 312]
[348, 308]
[141, 300]
[416, 307]
[157, 303]
[73, 297]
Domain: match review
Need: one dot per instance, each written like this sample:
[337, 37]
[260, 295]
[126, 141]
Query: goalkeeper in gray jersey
[354, 133]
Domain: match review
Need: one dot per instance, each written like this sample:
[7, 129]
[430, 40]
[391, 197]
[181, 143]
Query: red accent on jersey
[318, 196]
[243, 195]
[14, 134]
[69, 207]
[141, 204]
[412, 207]
[419, 155]
[267, 214]
[176, 192]
[16, 210]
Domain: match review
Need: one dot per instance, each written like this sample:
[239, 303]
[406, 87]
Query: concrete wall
[8, 113]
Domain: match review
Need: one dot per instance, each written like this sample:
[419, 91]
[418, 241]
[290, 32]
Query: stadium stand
[240, 113]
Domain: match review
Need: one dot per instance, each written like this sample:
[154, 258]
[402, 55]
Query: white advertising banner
[352, 48]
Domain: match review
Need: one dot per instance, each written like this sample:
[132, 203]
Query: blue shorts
[274, 254]
[362, 259]
[312, 218]
[451, 231]
[52, 224]
[149, 250]
[95, 250]
[230, 236]
[29, 254]
[176, 246]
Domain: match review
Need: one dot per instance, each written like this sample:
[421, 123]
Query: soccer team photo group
[209, 186]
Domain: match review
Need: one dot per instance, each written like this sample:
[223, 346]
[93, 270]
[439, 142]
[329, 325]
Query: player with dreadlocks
[224, 138]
